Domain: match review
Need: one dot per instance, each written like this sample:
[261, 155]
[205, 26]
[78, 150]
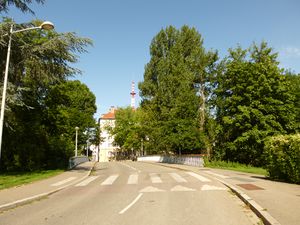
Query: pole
[76, 141]
[87, 149]
[5, 87]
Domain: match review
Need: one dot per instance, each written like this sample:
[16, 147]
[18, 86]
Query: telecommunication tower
[132, 93]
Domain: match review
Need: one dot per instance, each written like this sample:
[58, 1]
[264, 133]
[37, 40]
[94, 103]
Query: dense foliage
[40, 65]
[174, 90]
[191, 101]
[282, 157]
[253, 101]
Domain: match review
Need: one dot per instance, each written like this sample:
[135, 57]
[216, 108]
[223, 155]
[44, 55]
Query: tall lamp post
[76, 138]
[45, 26]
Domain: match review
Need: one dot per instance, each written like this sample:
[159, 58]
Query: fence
[185, 160]
[74, 161]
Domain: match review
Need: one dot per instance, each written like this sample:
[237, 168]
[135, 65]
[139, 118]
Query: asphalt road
[134, 193]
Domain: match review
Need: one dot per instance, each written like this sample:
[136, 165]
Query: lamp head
[47, 25]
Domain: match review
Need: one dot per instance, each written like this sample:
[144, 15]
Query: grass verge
[13, 179]
[235, 166]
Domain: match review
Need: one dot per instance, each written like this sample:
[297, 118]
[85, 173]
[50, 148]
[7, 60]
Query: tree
[294, 81]
[253, 101]
[20, 4]
[39, 60]
[174, 79]
[70, 104]
[127, 131]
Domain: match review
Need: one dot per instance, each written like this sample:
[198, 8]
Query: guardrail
[74, 161]
[185, 160]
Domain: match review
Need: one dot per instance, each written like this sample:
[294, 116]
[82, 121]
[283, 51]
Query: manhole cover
[250, 187]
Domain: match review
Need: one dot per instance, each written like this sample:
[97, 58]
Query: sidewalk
[277, 202]
[24, 194]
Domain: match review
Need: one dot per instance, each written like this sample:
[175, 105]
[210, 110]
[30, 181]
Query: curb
[25, 201]
[256, 208]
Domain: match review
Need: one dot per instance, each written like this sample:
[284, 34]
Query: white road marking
[110, 180]
[155, 179]
[199, 177]
[217, 175]
[182, 188]
[178, 178]
[131, 167]
[86, 181]
[151, 189]
[133, 179]
[211, 188]
[63, 181]
[131, 204]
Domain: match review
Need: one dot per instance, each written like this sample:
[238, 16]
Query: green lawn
[235, 166]
[8, 180]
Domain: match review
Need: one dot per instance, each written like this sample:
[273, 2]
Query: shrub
[282, 157]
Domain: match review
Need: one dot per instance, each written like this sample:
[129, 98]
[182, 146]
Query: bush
[282, 157]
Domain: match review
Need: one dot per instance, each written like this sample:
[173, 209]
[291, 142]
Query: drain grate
[250, 187]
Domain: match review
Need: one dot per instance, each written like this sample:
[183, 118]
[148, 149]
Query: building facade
[107, 151]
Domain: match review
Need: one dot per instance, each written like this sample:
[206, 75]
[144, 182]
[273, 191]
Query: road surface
[135, 193]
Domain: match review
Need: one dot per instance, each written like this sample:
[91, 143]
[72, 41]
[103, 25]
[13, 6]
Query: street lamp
[87, 148]
[76, 137]
[45, 26]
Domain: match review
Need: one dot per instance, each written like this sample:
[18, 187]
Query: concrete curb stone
[256, 208]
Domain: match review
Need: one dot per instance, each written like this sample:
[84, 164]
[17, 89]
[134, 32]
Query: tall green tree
[253, 102]
[70, 104]
[39, 60]
[294, 80]
[127, 131]
[174, 79]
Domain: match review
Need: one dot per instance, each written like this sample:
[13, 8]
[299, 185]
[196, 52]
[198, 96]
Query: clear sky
[122, 31]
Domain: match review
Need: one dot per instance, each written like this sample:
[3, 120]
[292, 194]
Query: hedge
[282, 158]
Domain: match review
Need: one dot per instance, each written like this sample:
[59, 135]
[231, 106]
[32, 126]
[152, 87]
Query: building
[107, 151]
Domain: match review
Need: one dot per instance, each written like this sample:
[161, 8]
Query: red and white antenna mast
[132, 93]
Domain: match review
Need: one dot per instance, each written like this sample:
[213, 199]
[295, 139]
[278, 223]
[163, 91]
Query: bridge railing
[185, 160]
[74, 161]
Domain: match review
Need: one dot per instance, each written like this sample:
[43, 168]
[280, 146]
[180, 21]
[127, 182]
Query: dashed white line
[178, 178]
[217, 175]
[131, 167]
[63, 181]
[199, 177]
[133, 179]
[131, 204]
[155, 179]
[86, 181]
[110, 180]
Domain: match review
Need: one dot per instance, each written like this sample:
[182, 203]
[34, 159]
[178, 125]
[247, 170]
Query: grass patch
[13, 179]
[235, 166]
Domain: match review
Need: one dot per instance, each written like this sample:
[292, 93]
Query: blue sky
[122, 31]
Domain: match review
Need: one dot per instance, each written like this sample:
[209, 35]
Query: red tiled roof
[110, 115]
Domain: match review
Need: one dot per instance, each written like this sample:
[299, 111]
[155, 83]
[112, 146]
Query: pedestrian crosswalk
[86, 181]
[134, 179]
[110, 180]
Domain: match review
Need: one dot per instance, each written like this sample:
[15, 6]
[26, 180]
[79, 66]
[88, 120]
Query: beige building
[107, 150]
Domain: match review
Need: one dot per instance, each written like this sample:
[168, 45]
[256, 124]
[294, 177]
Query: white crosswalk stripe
[63, 181]
[86, 181]
[199, 177]
[133, 179]
[178, 178]
[110, 180]
[155, 179]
